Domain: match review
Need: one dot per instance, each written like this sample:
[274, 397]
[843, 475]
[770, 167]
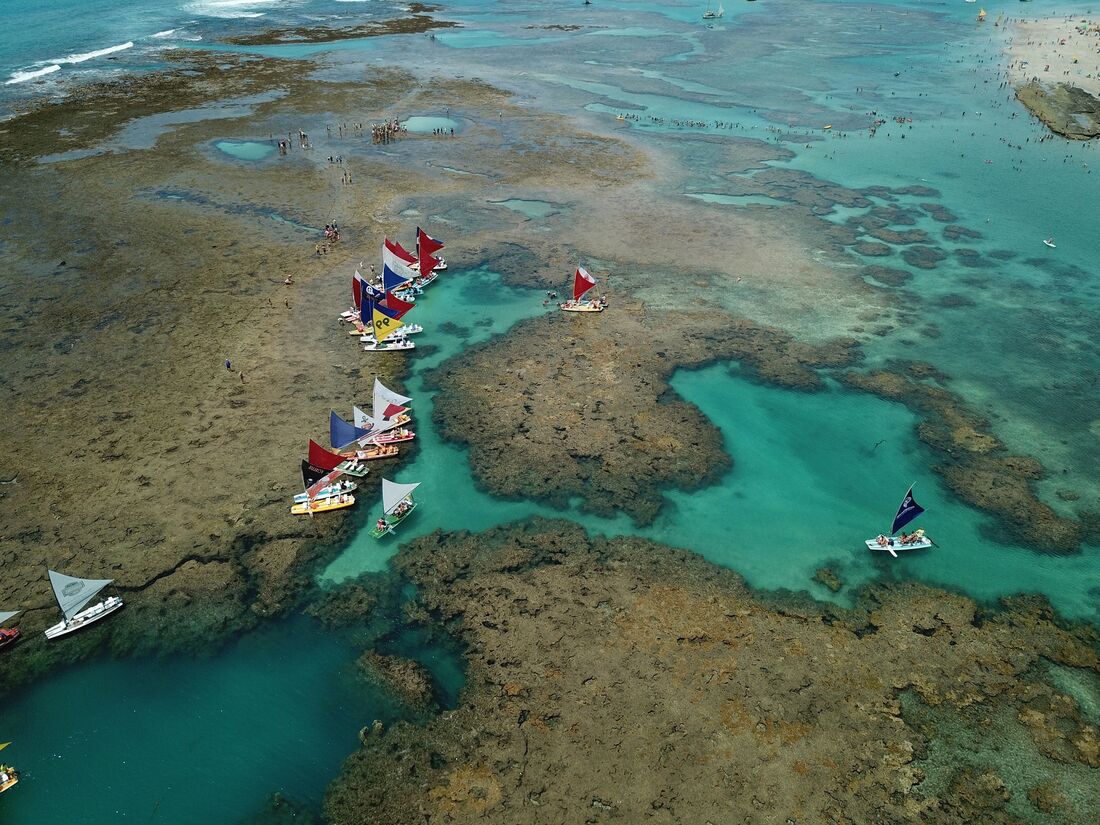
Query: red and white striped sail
[582, 282]
[396, 263]
[398, 250]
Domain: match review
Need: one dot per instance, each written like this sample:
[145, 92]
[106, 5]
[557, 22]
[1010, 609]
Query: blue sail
[908, 511]
[341, 433]
[390, 279]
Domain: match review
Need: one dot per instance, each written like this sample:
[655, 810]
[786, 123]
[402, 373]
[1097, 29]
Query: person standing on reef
[228, 366]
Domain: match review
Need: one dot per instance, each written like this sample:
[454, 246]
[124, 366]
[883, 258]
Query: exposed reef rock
[591, 416]
[1067, 110]
[418, 21]
[404, 678]
[624, 680]
[974, 463]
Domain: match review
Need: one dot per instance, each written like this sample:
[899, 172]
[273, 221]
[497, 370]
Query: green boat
[397, 505]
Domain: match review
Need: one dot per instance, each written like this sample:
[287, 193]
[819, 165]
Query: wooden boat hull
[409, 329]
[85, 617]
[323, 505]
[384, 451]
[13, 780]
[391, 523]
[395, 437]
[896, 546]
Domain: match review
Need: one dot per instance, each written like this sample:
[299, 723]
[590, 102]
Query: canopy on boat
[426, 244]
[908, 511]
[7, 614]
[320, 457]
[582, 282]
[394, 493]
[384, 324]
[73, 593]
[396, 249]
[341, 433]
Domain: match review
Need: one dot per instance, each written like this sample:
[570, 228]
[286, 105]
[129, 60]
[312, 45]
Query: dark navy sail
[908, 511]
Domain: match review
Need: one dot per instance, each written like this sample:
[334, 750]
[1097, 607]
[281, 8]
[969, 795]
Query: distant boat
[709, 14]
[9, 776]
[72, 594]
[720, 11]
[397, 505]
[8, 635]
[1050, 242]
[981, 15]
[582, 282]
[908, 511]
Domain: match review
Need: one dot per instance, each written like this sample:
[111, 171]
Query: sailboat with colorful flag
[582, 282]
[9, 776]
[385, 326]
[907, 511]
[320, 483]
[8, 635]
[72, 595]
[353, 465]
[397, 505]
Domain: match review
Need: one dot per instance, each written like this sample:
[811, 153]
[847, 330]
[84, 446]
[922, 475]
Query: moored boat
[72, 594]
[1050, 242]
[582, 282]
[350, 465]
[397, 505]
[392, 345]
[8, 635]
[9, 776]
[323, 505]
[892, 544]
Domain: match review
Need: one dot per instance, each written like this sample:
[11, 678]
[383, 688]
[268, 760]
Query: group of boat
[379, 303]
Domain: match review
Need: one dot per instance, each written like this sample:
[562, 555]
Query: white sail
[394, 493]
[73, 593]
[7, 614]
[397, 265]
[390, 395]
[361, 419]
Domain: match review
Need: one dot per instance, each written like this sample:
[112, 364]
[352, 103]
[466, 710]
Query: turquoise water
[813, 475]
[190, 740]
[424, 124]
[245, 149]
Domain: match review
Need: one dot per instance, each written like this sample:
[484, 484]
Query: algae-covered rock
[1066, 109]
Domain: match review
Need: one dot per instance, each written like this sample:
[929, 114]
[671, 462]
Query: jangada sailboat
[8, 635]
[908, 511]
[582, 282]
[72, 594]
[328, 484]
[397, 505]
[9, 776]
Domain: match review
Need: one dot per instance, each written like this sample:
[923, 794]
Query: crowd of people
[387, 132]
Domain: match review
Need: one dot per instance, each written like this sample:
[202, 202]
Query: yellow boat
[323, 505]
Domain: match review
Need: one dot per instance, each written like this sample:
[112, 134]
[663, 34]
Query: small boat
[1050, 242]
[323, 505]
[397, 505]
[329, 491]
[393, 345]
[9, 776]
[582, 282]
[72, 594]
[325, 461]
[981, 15]
[719, 11]
[395, 436]
[709, 13]
[8, 635]
[408, 329]
[908, 511]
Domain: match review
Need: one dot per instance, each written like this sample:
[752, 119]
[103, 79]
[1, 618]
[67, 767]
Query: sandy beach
[1055, 50]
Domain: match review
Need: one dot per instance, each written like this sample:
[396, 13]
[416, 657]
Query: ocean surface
[808, 482]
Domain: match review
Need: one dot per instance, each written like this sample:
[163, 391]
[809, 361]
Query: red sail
[582, 282]
[426, 244]
[400, 251]
[392, 410]
[355, 289]
[320, 457]
[399, 307]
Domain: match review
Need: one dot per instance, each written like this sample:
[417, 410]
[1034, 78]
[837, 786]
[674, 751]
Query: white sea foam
[80, 58]
[230, 9]
[166, 33]
[23, 77]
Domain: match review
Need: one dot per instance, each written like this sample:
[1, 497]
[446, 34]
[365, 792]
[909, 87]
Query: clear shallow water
[245, 149]
[424, 124]
[190, 740]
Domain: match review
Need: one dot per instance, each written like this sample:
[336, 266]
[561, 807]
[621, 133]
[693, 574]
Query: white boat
[709, 13]
[892, 544]
[1050, 242]
[392, 345]
[72, 594]
[332, 490]
[582, 282]
[407, 329]
[397, 505]
[719, 11]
